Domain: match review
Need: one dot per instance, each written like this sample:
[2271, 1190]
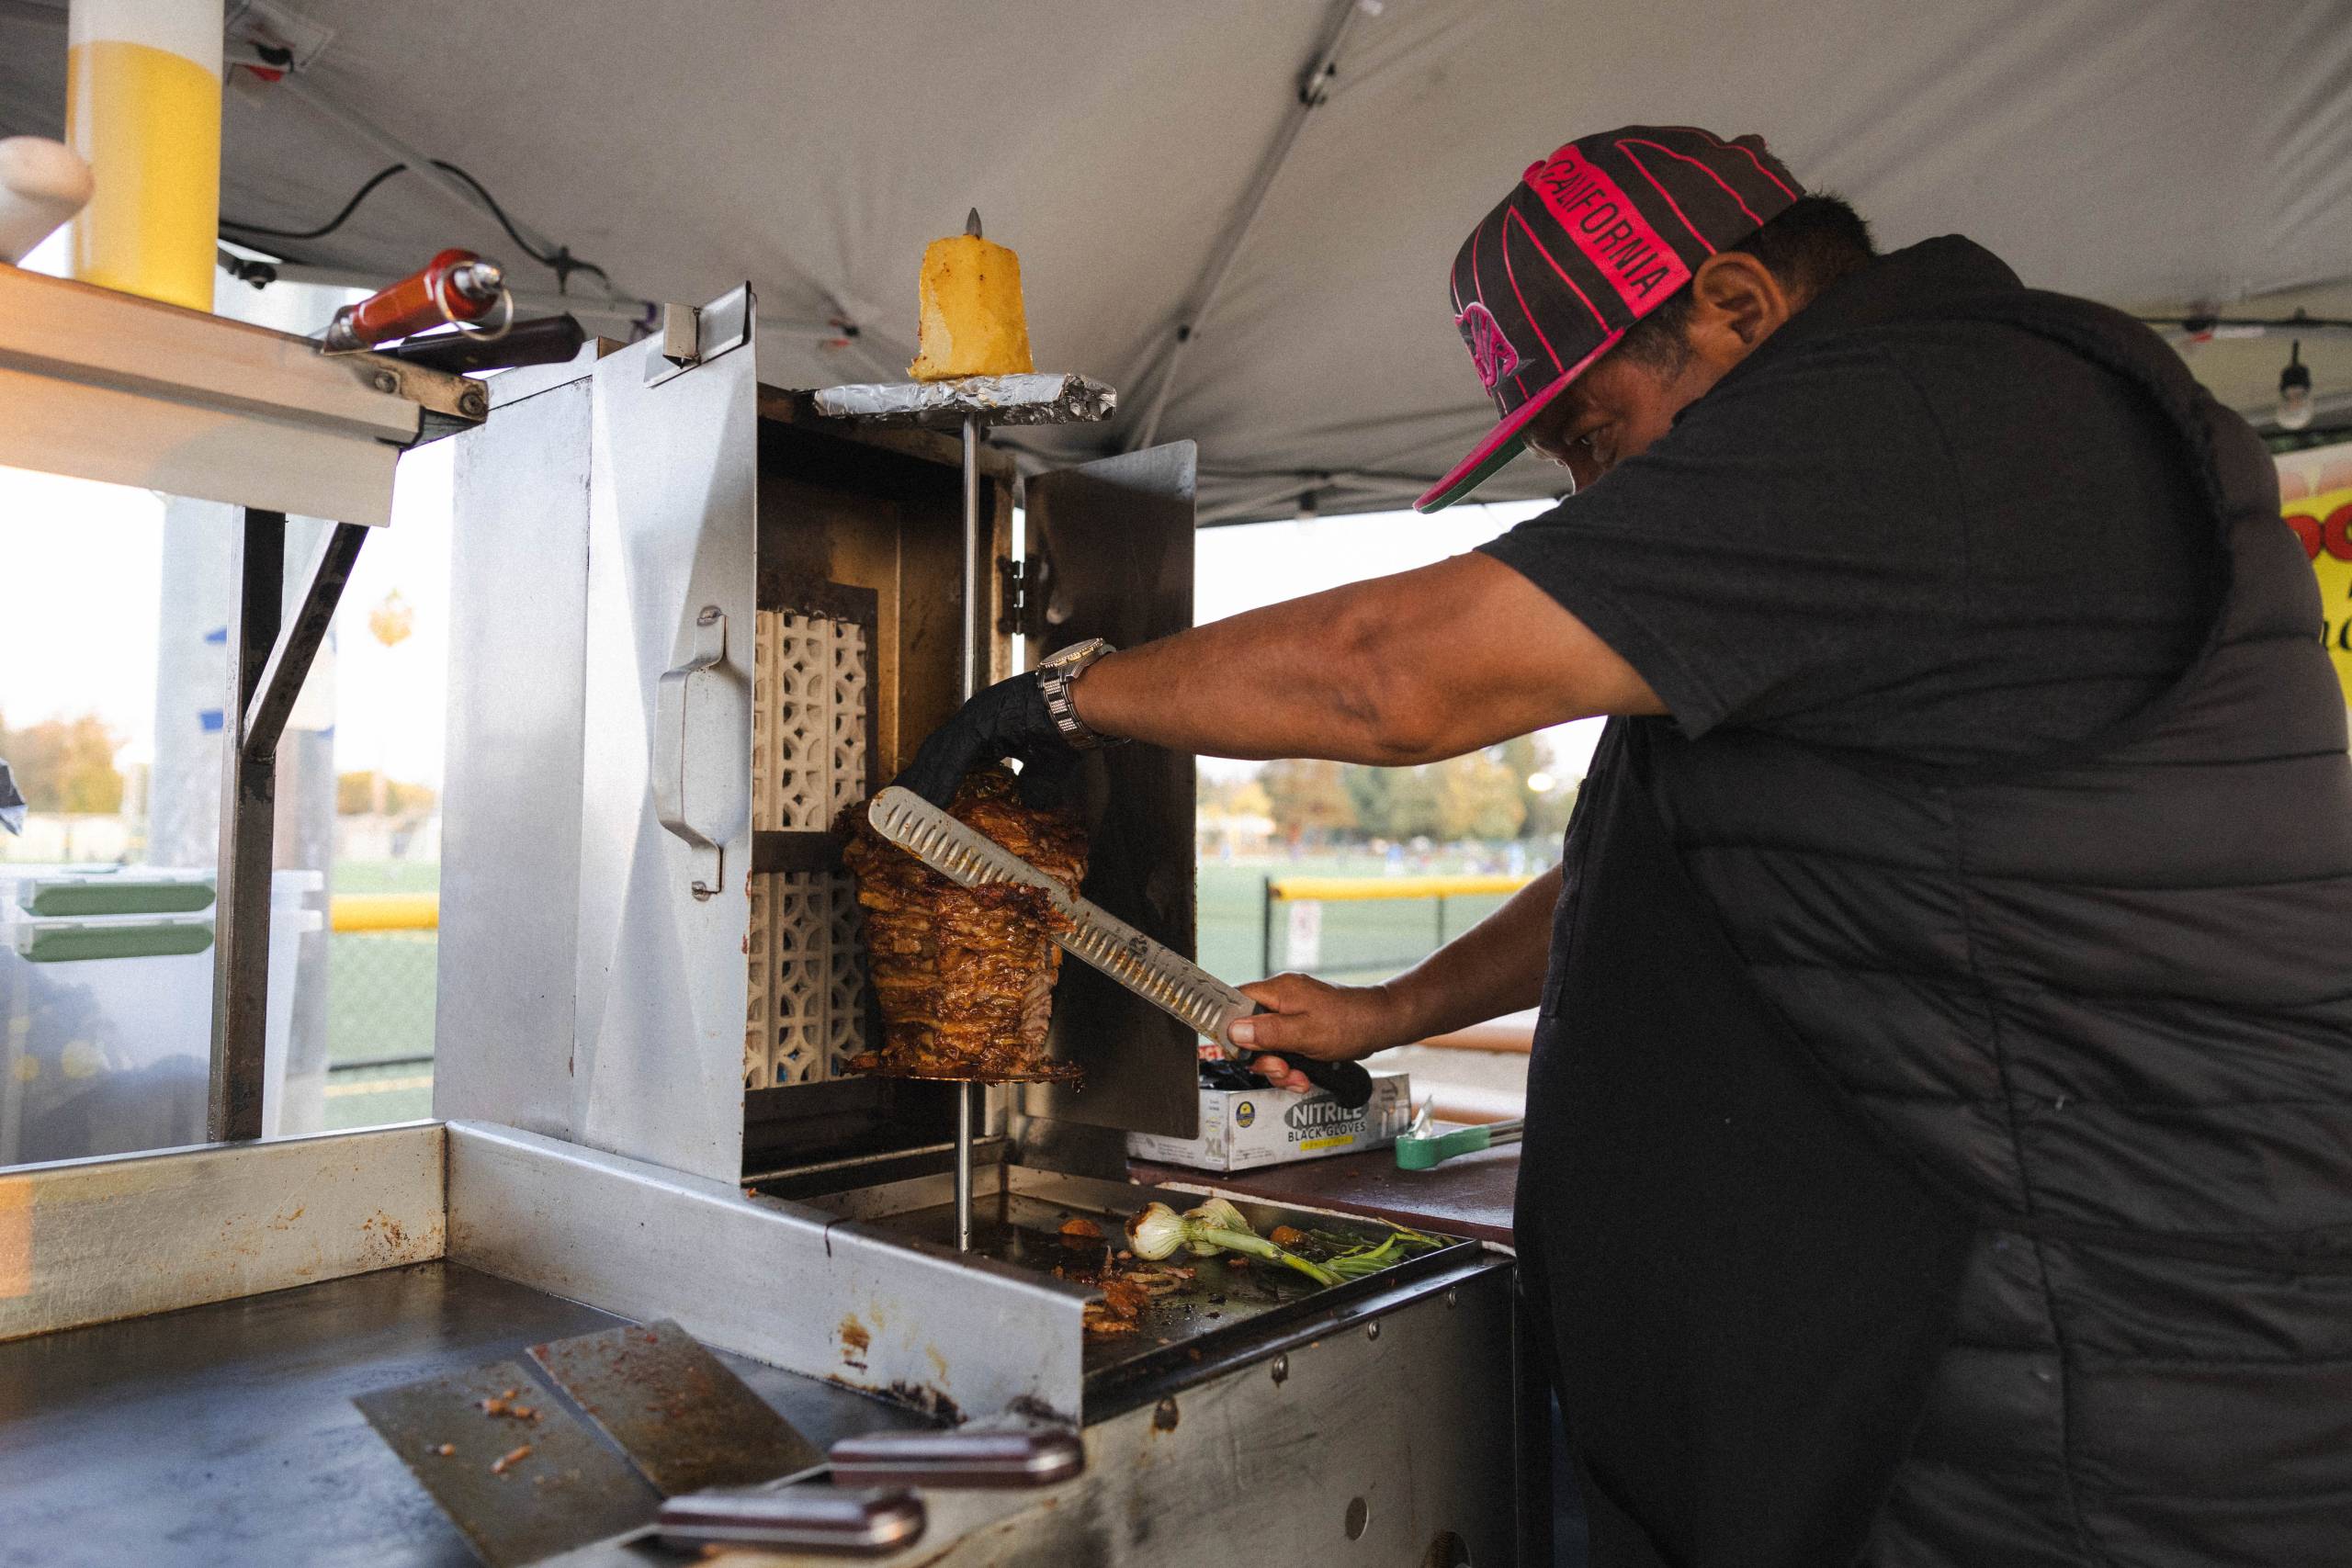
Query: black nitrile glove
[1009, 719]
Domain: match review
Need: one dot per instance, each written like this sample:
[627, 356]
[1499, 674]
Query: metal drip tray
[1224, 1314]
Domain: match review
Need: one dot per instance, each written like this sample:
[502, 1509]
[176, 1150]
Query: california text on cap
[1593, 238]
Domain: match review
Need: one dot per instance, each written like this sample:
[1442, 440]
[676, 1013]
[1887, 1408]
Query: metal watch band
[1055, 678]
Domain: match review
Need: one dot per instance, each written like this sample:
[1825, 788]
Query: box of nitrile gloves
[1244, 1128]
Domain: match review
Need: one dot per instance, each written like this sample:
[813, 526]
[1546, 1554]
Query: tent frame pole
[1314, 90]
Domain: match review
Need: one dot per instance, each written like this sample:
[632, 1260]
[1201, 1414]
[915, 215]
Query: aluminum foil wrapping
[1037, 398]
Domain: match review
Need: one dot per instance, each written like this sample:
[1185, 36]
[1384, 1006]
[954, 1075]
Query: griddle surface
[225, 1434]
[1024, 1229]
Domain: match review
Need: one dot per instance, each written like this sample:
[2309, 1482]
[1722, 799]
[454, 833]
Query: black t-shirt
[1948, 541]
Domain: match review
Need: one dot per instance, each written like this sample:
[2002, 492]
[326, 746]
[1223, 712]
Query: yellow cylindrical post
[142, 103]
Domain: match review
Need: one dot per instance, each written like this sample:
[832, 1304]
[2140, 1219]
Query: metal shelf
[100, 385]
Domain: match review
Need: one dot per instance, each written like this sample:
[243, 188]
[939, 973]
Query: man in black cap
[1940, 1126]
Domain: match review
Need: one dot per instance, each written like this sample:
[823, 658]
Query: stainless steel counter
[225, 1434]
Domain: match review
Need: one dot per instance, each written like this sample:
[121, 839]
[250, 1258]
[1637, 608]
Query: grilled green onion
[1216, 1214]
[1366, 1258]
[1160, 1231]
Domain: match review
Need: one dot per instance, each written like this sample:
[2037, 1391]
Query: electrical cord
[332, 224]
[561, 261]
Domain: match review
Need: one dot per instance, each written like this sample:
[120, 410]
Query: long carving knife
[1152, 970]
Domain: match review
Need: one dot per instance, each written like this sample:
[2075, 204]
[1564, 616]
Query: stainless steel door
[598, 814]
[1115, 542]
[665, 824]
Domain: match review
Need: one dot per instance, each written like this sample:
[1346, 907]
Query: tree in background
[371, 793]
[1307, 799]
[1545, 811]
[1216, 798]
[1503, 792]
[1479, 796]
[1397, 804]
[65, 764]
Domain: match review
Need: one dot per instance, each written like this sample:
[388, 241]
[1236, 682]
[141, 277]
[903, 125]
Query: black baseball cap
[1592, 239]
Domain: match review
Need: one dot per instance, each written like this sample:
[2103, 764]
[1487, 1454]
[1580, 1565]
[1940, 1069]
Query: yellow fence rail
[1306, 895]
[1345, 889]
[384, 912]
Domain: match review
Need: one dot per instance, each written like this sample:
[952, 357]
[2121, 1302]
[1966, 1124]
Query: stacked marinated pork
[965, 975]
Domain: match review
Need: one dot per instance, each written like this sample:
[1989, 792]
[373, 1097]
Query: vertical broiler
[696, 620]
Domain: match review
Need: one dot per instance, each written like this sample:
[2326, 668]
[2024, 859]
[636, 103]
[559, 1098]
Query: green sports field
[1367, 940]
[380, 1001]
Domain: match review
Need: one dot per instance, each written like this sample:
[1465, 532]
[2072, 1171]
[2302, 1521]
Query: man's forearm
[1278, 681]
[1497, 967]
[1413, 668]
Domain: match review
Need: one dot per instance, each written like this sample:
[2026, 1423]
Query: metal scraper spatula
[1153, 971]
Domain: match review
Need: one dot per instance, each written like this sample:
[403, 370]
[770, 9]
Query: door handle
[697, 730]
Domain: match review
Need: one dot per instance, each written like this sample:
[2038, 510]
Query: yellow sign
[2322, 520]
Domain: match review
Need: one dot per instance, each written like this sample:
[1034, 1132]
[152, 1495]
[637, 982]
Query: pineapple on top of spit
[973, 322]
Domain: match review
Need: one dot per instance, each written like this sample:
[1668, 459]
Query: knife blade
[1149, 968]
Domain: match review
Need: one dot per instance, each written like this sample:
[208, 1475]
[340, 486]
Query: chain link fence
[383, 963]
[1342, 927]
[1369, 928]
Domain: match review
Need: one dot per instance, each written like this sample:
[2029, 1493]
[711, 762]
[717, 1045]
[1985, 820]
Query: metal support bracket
[101, 385]
[692, 336]
[1021, 609]
[267, 663]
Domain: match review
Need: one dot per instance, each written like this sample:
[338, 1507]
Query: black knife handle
[1346, 1082]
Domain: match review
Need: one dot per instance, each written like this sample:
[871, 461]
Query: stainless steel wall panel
[1389, 1437]
[89, 1241]
[778, 1282]
[1392, 1447]
[510, 846]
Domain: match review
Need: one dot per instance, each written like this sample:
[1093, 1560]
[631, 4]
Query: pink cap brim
[1503, 443]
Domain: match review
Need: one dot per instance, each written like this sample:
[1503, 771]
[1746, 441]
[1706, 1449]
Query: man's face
[1613, 411]
[1616, 409]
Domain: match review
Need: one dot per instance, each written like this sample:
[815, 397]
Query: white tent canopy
[2159, 155]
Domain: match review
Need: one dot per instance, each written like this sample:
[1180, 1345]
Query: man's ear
[1736, 303]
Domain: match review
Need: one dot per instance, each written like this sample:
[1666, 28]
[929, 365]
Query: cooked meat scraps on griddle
[1127, 1289]
[965, 975]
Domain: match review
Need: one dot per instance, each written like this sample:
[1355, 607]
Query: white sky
[80, 575]
[80, 601]
[1250, 565]
[81, 585]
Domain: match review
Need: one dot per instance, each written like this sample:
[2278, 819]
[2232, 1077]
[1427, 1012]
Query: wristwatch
[1056, 676]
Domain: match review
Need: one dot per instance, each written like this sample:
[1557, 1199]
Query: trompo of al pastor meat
[965, 975]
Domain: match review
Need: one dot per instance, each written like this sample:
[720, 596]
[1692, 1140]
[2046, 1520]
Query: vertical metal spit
[966, 1091]
[972, 403]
